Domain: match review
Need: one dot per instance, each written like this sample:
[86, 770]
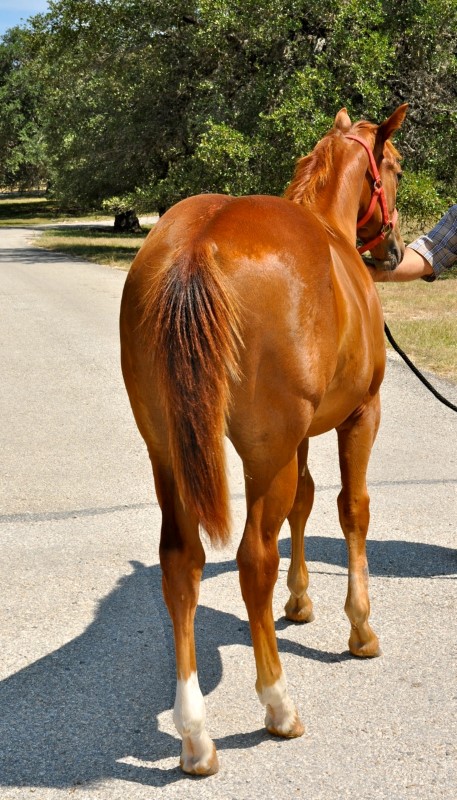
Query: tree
[22, 150]
[113, 96]
[143, 103]
[426, 75]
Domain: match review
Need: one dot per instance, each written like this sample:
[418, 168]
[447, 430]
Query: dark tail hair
[196, 338]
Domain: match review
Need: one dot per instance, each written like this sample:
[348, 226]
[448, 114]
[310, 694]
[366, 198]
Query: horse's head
[377, 226]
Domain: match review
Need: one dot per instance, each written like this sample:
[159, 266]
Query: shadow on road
[30, 255]
[73, 716]
[389, 558]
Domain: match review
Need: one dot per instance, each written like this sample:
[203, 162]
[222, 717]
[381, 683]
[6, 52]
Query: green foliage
[127, 103]
[418, 198]
[293, 126]
[22, 147]
[360, 54]
[221, 163]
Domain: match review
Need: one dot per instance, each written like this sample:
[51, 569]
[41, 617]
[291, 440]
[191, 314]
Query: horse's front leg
[269, 499]
[299, 607]
[355, 440]
[182, 559]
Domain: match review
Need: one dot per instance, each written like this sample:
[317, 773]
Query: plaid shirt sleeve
[439, 246]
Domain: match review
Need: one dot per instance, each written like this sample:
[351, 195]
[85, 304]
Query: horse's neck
[339, 202]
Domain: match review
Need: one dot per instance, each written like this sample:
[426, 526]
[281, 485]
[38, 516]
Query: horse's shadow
[392, 558]
[88, 711]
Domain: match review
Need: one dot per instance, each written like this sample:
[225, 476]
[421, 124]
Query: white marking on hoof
[199, 755]
[189, 715]
[281, 717]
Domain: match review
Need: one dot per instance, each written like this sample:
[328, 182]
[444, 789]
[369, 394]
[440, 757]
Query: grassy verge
[102, 246]
[99, 244]
[35, 210]
[423, 319]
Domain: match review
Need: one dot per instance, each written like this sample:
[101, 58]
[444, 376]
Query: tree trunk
[127, 222]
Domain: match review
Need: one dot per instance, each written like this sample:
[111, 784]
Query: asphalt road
[87, 666]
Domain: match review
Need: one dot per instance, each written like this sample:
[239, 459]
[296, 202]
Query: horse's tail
[196, 338]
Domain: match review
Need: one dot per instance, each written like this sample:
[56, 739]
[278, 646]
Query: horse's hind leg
[299, 607]
[182, 559]
[355, 440]
[269, 498]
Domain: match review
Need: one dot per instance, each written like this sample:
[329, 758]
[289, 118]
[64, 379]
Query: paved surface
[87, 668]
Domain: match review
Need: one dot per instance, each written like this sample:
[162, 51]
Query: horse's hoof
[299, 609]
[369, 649]
[202, 763]
[301, 616]
[204, 766]
[290, 732]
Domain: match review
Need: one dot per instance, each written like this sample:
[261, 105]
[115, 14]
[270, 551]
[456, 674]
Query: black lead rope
[416, 371]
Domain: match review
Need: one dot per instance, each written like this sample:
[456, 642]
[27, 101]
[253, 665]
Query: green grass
[102, 246]
[35, 209]
[99, 244]
[423, 319]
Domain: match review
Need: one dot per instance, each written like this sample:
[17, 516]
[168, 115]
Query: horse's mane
[313, 172]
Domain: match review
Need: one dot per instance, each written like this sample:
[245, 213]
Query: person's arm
[428, 255]
[412, 266]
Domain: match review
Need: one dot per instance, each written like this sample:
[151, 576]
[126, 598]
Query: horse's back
[254, 227]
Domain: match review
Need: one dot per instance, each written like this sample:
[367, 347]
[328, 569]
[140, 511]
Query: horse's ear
[387, 128]
[343, 120]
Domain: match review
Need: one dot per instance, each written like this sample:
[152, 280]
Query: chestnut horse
[255, 317]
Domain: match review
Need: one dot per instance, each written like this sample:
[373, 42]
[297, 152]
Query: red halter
[377, 196]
